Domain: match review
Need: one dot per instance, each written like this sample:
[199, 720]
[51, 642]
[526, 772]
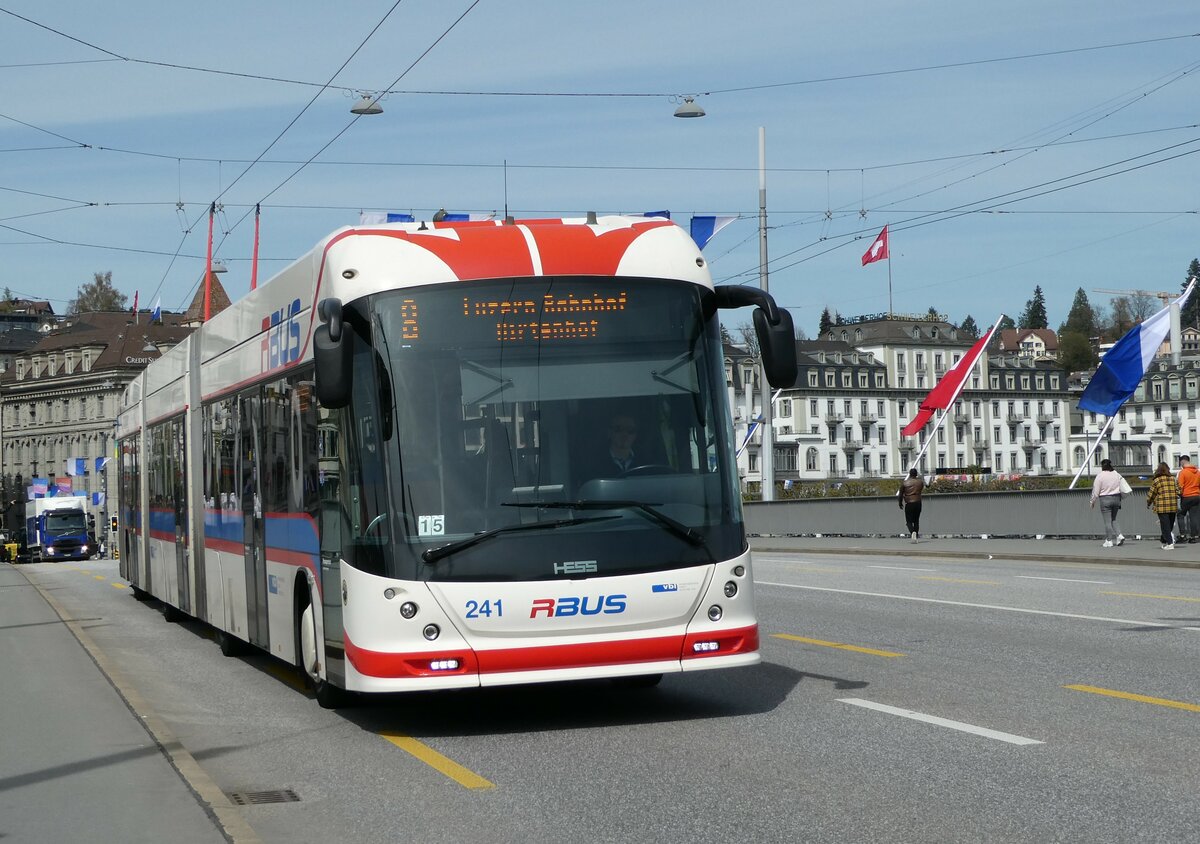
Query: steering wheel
[375, 522]
[649, 469]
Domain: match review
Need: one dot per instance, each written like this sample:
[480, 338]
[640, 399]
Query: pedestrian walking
[1189, 496]
[910, 502]
[1163, 499]
[1108, 488]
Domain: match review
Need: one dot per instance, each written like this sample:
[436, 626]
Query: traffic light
[114, 524]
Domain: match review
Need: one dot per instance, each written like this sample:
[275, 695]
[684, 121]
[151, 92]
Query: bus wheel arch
[307, 653]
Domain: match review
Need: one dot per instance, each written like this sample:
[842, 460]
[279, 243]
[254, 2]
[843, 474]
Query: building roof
[899, 330]
[1011, 338]
[121, 342]
[219, 301]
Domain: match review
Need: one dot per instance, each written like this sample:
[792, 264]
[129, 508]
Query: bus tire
[172, 614]
[139, 594]
[328, 695]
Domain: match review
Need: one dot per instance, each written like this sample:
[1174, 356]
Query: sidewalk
[1144, 552]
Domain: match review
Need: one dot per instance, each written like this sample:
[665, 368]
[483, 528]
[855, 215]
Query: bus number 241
[484, 609]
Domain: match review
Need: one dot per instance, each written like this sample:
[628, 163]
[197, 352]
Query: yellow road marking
[838, 645]
[118, 586]
[1157, 701]
[437, 761]
[99, 577]
[1162, 597]
[959, 580]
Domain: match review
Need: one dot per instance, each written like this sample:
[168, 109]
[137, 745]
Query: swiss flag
[878, 250]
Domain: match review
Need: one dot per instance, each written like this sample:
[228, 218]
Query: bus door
[254, 539]
[177, 444]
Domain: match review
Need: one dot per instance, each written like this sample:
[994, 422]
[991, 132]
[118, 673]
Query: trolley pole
[767, 453]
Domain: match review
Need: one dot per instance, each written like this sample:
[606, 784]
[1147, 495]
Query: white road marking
[1063, 579]
[899, 568]
[977, 606]
[941, 722]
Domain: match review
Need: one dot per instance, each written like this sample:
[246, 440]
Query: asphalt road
[911, 699]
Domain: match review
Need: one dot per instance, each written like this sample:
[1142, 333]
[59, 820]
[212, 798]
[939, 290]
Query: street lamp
[367, 105]
[688, 108]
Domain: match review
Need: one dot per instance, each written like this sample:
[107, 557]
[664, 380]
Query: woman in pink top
[1107, 490]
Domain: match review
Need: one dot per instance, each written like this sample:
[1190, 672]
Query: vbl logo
[609, 605]
[281, 345]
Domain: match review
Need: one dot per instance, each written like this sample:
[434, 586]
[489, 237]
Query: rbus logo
[563, 607]
[281, 337]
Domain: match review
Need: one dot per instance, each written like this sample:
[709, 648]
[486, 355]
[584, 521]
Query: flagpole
[1092, 450]
[767, 457]
[890, 311]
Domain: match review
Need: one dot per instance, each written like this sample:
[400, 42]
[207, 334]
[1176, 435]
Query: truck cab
[57, 529]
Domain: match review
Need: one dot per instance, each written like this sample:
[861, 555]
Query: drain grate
[255, 798]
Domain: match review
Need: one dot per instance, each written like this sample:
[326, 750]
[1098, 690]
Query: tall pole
[767, 455]
[254, 258]
[212, 212]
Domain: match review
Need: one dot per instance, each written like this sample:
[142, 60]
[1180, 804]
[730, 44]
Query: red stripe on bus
[581, 655]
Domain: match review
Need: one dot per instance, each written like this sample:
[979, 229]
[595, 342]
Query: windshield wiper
[432, 555]
[646, 509]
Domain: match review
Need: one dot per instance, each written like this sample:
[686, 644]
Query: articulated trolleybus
[393, 464]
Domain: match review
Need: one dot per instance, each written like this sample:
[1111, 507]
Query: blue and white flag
[99, 498]
[101, 462]
[76, 465]
[468, 218]
[370, 218]
[1124, 365]
[704, 227]
[666, 214]
[157, 315]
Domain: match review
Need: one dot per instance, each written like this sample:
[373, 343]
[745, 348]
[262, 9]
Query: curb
[976, 555]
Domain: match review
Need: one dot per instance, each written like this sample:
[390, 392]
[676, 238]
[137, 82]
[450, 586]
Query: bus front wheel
[328, 695]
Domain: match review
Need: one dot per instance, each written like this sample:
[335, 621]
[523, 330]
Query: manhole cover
[252, 798]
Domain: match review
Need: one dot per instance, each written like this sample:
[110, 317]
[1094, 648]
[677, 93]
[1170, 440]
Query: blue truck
[57, 529]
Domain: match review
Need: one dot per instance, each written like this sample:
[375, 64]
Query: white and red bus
[392, 464]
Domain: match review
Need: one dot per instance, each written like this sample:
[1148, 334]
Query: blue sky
[838, 152]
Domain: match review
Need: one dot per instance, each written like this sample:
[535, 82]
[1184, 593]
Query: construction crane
[1166, 296]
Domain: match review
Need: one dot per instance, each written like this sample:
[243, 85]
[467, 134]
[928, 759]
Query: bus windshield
[537, 428]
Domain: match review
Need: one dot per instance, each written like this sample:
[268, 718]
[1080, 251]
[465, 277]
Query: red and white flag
[946, 391]
[135, 295]
[878, 250]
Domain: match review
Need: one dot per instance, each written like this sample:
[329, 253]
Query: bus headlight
[715, 612]
[739, 571]
[431, 632]
[408, 609]
[730, 589]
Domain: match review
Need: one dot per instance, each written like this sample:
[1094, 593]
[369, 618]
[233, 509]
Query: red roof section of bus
[483, 249]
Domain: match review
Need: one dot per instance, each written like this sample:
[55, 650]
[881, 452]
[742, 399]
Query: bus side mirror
[332, 353]
[774, 328]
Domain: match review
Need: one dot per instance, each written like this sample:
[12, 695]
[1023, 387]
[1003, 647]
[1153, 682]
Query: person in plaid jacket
[1163, 499]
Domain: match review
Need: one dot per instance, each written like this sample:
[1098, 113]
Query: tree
[1142, 305]
[99, 295]
[726, 337]
[749, 338]
[1081, 319]
[8, 302]
[933, 314]
[1122, 317]
[1075, 351]
[1034, 315]
[969, 327]
[1190, 313]
[825, 324]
